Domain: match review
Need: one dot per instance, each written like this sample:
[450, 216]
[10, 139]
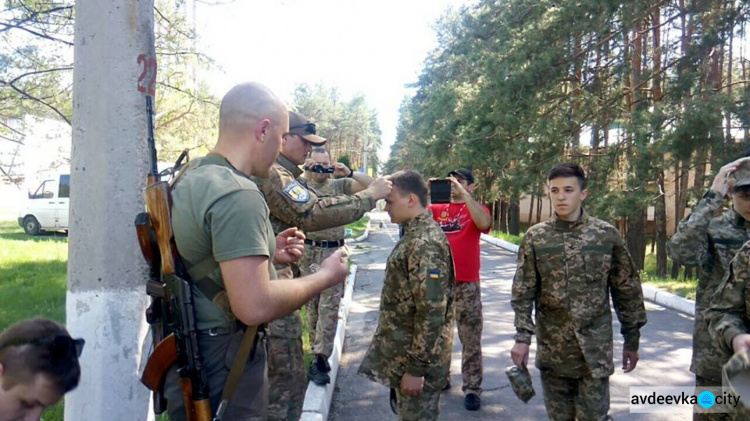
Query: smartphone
[440, 191]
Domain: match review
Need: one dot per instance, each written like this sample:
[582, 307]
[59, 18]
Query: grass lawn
[33, 283]
[358, 228]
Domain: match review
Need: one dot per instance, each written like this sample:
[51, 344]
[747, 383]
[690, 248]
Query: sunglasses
[309, 128]
[61, 347]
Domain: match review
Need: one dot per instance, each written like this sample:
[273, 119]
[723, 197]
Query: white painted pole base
[108, 321]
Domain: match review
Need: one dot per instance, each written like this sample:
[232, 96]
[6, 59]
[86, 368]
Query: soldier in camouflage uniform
[292, 204]
[220, 223]
[728, 314]
[411, 348]
[710, 243]
[568, 266]
[323, 310]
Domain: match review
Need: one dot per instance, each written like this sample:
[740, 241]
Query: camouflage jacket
[710, 243]
[415, 328]
[728, 313]
[566, 273]
[293, 204]
[336, 187]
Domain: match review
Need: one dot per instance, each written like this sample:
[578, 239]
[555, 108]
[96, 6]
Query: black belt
[326, 244]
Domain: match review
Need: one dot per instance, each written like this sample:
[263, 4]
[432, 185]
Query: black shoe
[472, 402]
[447, 385]
[322, 362]
[318, 371]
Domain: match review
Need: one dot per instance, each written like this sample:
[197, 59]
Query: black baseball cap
[463, 174]
[301, 125]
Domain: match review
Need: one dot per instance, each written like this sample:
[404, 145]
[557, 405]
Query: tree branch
[38, 72]
[8, 26]
[33, 98]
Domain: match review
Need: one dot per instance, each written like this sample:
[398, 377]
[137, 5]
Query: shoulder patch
[297, 192]
[434, 274]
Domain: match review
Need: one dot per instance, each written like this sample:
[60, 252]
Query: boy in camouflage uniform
[411, 349]
[568, 266]
[323, 310]
[292, 204]
[710, 243]
[728, 314]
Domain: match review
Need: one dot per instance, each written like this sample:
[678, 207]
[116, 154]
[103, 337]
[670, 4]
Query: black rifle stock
[172, 307]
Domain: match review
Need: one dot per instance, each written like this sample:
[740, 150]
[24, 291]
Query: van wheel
[31, 225]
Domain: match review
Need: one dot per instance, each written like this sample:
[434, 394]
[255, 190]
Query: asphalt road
[665, 346]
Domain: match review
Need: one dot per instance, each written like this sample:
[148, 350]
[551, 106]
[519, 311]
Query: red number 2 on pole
[147, 79]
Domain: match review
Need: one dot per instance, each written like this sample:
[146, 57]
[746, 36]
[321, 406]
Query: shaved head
[252, 123]
[246, 104]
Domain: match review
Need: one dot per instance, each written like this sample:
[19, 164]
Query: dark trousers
[250, 399]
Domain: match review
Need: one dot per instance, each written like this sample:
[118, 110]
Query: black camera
[440, 191]
[320, 168]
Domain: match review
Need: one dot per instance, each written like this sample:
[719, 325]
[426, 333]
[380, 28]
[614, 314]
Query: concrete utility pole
[115, 67]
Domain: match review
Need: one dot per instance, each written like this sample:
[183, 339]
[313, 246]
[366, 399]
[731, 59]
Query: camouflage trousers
[425, 407]
[468, 307]
[569, 399]
[698, 416]
[323, 310]
[287, 377]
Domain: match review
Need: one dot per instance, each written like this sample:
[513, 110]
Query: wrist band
[351, 172]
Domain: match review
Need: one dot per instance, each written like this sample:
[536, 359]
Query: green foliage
[36, 63]
[32, 274]
[517, 86]
[350, 126]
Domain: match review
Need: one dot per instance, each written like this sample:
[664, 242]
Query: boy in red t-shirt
[463, 221]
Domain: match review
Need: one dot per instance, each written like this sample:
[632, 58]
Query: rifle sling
[238, 368]
[199, 276]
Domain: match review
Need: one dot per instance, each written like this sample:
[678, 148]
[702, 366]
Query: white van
[48, 206]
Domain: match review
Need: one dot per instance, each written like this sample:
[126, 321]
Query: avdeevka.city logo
[706, 399]
[650, 399]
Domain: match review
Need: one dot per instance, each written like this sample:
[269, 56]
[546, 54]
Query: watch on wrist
[351, 173]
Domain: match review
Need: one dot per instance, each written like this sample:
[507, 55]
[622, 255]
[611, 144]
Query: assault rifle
[171, 313]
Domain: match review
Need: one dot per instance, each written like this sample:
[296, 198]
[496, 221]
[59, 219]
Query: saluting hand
[290, 244]
[722, 183]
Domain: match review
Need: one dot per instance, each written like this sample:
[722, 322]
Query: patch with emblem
[297, 192]
[434, 287]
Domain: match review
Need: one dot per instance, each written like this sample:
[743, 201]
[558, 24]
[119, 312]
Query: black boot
[318, 371]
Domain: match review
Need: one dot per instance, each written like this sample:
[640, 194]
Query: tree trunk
[637, 238]
[503, 216]
[514, 226]
[660, 236]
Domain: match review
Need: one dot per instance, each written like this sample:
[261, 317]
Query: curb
[362, 237]
[650, 292]
[318, 398]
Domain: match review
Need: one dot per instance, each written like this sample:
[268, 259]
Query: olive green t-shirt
[219, 211]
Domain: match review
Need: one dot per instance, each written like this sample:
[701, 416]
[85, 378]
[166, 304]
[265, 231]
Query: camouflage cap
[520, 381]
[736, 376]
[741, 175]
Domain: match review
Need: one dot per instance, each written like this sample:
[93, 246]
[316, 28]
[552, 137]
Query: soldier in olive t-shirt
[219, 214]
